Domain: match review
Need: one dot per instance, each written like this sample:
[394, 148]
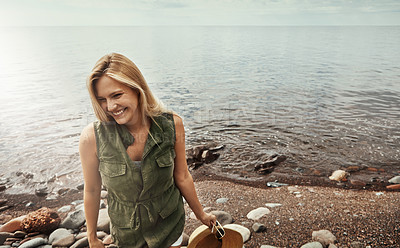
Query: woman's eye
[118, 95]
[101, 99]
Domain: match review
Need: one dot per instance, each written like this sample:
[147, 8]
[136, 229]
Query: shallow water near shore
[326, 97]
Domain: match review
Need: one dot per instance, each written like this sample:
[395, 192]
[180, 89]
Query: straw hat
[202, 237]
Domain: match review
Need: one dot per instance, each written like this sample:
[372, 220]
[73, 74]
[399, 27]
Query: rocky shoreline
[280, 216]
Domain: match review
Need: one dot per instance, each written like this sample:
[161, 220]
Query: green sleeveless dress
[144, 204]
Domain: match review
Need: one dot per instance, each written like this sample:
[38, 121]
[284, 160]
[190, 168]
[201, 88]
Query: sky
[198, 12]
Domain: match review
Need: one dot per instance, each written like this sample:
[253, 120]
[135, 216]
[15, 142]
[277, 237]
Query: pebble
[356, 244]
[257, 227]
[103, 194]
[339, 175]
[272, 205]
[312, 245]
[80, 243]
[222, 200]
[244, 231]
[58, 234]
[395, 179]
[103, 222]
[77, 202]
[13, 225]
[258, 213]
[34, 243]
[394, 186]
[324, 237]
[74, 220]
[223, 217]
[268, 246]
[67, 241]
[64, 209]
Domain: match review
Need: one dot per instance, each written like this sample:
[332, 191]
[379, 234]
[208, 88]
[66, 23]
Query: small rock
[66, 241]
[30, 204]
[332, 246]
[291, 189]
[312, 245]
[63, 191]
[324, 237]
[103, 194]
[103, 222]
[185, 240]
[356, 244]
[33, 243]
[245, 232]
[102, 204]
[395, 179]
[272, 205]
[223, 217]
[58, 234]
[64, 209]
[379, 193]
[77, 202]
[222, 200]
[4, 236]
[107, 240]
[80, 187]
[80, 243]
[258, 213]
[19, 234]
[358, 183]
[42, 191]
[257, 227]
[394, 186]
[268, 246]
[339, 175]
[276, 184]
[74, 220]
[13, 225]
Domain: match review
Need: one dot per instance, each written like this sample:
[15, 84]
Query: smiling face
[118, 101]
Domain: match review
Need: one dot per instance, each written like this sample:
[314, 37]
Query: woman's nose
[111, 105]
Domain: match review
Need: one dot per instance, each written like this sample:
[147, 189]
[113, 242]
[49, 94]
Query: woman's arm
[184, 180]
[91, 196]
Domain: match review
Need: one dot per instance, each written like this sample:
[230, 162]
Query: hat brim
[202, 237]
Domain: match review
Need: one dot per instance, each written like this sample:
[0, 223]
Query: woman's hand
[96, 243]
[208, 219]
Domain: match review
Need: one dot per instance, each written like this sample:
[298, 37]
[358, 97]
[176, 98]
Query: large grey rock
[58, 234]
[74, 220]
[325, 237]
[103, 222]
[258, 213]
[244, 231]
[81, 243]
[223, 217]
[312, 245]
[67, 241]
[34, 243]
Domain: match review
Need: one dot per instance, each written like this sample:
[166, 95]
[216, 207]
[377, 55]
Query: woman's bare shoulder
[87, 134]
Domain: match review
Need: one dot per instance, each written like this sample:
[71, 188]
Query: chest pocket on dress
[112, 172]
[166, 159]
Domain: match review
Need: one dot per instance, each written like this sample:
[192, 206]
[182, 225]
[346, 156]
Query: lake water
[324, 96]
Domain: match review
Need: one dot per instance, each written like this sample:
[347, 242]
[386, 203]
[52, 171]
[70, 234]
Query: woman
[137, 151]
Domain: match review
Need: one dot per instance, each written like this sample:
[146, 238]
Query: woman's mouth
[118, 113]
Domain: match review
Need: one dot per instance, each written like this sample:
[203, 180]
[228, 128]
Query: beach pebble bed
[285, 216]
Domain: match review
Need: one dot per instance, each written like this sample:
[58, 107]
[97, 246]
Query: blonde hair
[123, 70]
